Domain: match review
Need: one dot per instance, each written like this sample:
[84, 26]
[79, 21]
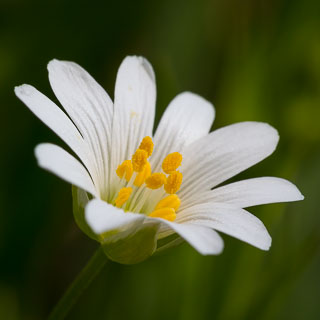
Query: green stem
[79, 285]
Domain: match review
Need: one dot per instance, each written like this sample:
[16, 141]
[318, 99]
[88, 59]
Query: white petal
[88, 105]
[64, 165]
[233, 221]
[134, 108]
[187, 118]
[225, 153]
[56, 120]
[205, 240]
[103, 217]
[251, 192]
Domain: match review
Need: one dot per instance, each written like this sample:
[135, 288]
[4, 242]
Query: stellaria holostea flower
[150, 193]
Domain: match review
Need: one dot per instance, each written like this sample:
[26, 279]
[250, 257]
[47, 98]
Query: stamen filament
[157, 195]
[142, 201]
[143, 175]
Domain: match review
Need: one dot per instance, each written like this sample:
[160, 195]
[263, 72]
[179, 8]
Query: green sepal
[169, 242]
[129, 246]
[132, 247]
[80, 199]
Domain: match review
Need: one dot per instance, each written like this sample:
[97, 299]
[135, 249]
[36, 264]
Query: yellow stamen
[171, 162]
[125, 169]
[156, 180]
[147, 145]
[139, 160]
[123, 196]
[164, 213]
[173, 182]
[171, 201]
[143, 175]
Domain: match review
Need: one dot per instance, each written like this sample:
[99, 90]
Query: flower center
[142, 191]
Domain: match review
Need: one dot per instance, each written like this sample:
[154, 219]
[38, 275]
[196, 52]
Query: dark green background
[255, 60]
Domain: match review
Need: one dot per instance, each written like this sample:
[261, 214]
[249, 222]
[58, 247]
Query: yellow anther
[123, 196]
[143, 175]
[171, 201]
[139, 160]
[156, 180]
[171, 162]
[164, 213]
[147, 145]
[125, 169]
[173, 182]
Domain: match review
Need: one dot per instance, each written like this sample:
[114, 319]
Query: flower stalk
[79, 285]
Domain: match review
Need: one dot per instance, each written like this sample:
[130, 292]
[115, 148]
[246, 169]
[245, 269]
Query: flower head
[150, 192]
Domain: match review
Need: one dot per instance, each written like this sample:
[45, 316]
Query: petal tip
[148, 68]
[140, 61]
[18, 89]
[265, 244]
[23, 90]
[39, 152]
[270, 133]
[198, 100]
[52, 62]
[295, 194]
[55, 64]
[270, 130]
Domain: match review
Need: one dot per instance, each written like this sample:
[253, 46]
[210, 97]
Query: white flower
[134, 213]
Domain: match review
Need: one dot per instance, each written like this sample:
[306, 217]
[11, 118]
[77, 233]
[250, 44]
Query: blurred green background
[255, 60]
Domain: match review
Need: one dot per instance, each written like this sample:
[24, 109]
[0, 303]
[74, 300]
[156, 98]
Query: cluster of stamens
[139, 182]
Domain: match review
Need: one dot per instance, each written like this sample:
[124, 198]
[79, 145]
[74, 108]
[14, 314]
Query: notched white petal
[134, 108]
[250, 192]
[230, 220]
[256, 191]
[187, 118]
[89, 106]
[51, 115]
[205, 240]
[224, 153]
[103, 218]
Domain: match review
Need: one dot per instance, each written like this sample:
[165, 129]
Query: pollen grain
[143, 175]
